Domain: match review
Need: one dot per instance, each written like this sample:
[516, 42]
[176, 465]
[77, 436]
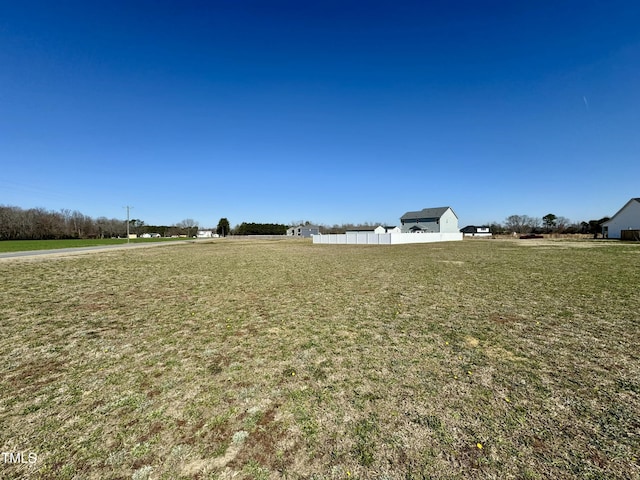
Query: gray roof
[361, 229]
[473, 228]
[426, 213]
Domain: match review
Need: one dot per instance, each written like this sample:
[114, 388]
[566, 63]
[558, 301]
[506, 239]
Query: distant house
[378, 229]
[304, 231]
[150, 235]
[474, 231]
[430, 220]
[387, 229]
[205, 234]
[625, 224]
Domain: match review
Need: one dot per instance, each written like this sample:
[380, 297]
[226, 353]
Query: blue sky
[329, 111]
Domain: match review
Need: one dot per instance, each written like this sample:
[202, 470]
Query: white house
[625, 224]
[474, 231]
[387, 229]
[205, 234]
[430, 220]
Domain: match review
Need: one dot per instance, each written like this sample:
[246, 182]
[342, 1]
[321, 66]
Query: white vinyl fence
[385, 238]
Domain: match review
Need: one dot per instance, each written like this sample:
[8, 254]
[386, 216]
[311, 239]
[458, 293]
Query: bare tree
[535, 224]
[68, 225]
[562, 224]
[517, 224]
[136, 225]
[188, 224]
[46, 224]
[9, 222]
[104, 227]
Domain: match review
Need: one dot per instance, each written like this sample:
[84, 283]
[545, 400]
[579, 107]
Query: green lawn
[267, 360]
[27, 245]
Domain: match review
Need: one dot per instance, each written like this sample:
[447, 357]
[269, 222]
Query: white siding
[449, 222]
[628, 218]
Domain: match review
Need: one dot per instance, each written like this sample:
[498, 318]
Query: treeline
[342, 228]
[260, 229]
[550, 223]
[246, 228]
[40, 224]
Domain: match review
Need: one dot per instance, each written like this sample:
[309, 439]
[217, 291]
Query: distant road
[74, 250]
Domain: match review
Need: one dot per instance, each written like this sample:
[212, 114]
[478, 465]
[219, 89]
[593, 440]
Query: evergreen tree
[223, 229]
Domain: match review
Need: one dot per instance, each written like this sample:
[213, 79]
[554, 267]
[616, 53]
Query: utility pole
[128, 208]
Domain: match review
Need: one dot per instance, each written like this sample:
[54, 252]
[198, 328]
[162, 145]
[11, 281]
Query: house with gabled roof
[388, 229]
[430, 220]
[476, 231]
[625, 224]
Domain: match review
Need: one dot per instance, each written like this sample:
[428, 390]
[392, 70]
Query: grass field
[27, 245]
[283, 359]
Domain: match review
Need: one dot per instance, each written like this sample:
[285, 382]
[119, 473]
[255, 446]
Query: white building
[205, 234]
[625, 224]
[387, 229]
[474, 231]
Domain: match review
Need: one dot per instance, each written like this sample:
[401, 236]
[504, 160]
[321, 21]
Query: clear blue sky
[331, 111]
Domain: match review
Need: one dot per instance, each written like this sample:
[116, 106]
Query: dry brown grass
[283, 359]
